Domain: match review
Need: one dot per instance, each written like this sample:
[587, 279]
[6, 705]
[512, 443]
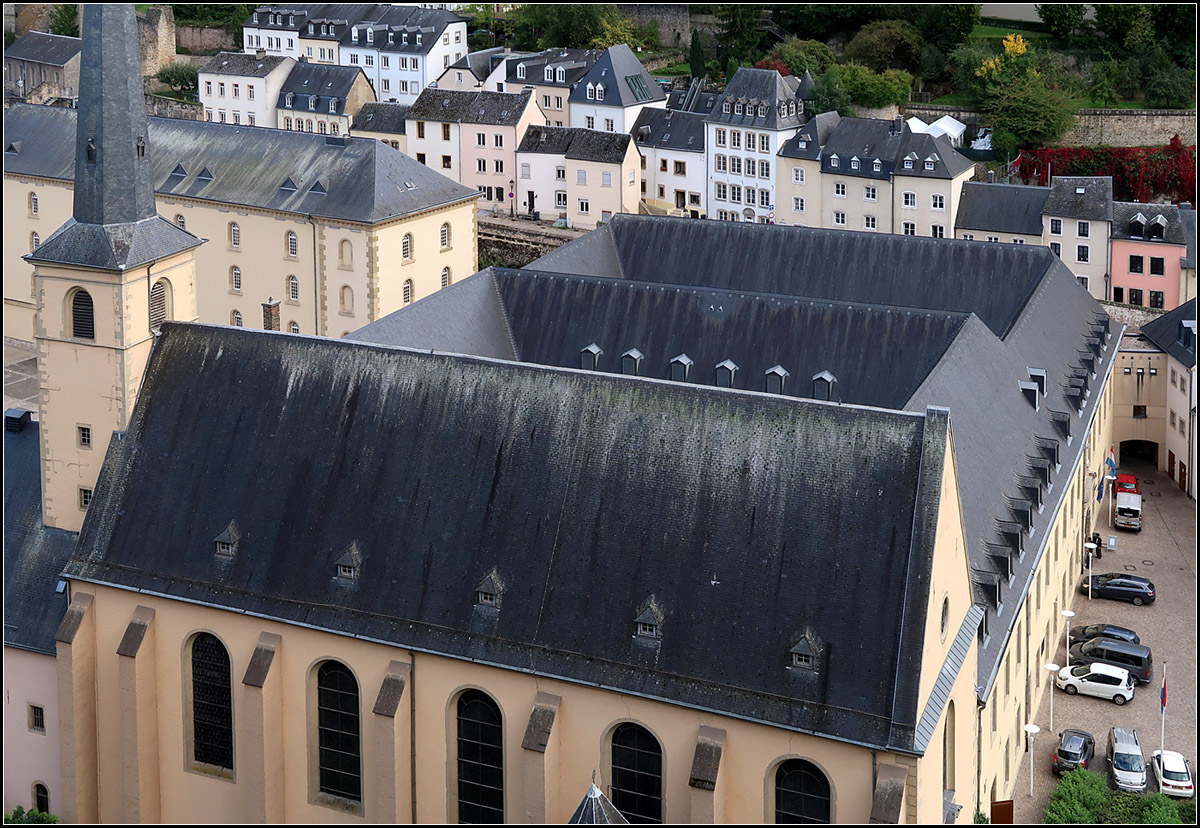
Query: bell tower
[107, 278]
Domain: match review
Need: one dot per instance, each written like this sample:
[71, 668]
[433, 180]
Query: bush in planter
[1078, 799]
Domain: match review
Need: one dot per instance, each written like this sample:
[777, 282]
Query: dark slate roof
[806, 89]
[40, 47]
[763, 490]
[1188, 219]
[113, 246]
[547, 319]
[878, 269]
[34, 556]
[447, 105]
[1032, 314]
[321, 81]
[365, 181]
[481, 63]
[1166, 332]
[669, 129]
[242, 64]
[1094, 203]
[702, 103]
[1124, 212]
[575, 64]
[813, 135]
[626, 81]
[576, 143]
[947, 161]
[377, 116]
[399, 20]
[1003, 208]
[596, 809]
[868, 140]
[759, 86]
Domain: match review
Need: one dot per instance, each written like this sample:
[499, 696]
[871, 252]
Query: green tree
[544, 26]
[811, 55]
[696, 61]
[739, 36]
[1062, 19]
[829, 95]
[64, 20]
[1171, 87]
[615, 29]
[1115, 20]
[886, 44]
[20, 816]
[820, 20]
[1029, 109]
[948, 25]
[1175, 29]
[1103, 86]
[182, 77]
[1079, 798]
[875, 90]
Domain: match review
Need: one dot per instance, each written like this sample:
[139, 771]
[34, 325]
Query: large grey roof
[321, 81]
[678, 100]
[242, 64]
[34, 555]
[1003, 208]
[345, 16]
[669, 129]
[40, 47]
[1165, 332]
[576, 143]
[448, 105]
[574, 62]
[378, 116]
[430, 23]
[626, 81]
[364, 180]
[113, 246]
[717, 510]
[596, 809]
[1125, 211]
[1031, 314]
[813, 135]
[1080, 197]
[871, 139]
[548, 319]
[759, 86]
[481, 63]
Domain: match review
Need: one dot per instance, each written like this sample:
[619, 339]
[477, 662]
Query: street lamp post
[1091, 550]
[1067, 614]
[1053, 669]
[1031, 730]
[512, 201]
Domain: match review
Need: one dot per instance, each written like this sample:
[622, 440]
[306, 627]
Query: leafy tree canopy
[544, 26]
[948, 25]
[886, 44]
[829, 94]
[800, 55]
[739, 36]
[1062, 19]
[874, 90]
[182, 77]
[64, 20]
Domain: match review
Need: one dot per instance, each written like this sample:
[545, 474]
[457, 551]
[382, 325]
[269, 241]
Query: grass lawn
[673, 70]
[142, 8]
[953, 99]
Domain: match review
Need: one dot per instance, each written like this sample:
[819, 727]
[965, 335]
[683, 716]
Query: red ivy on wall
[1142, 174]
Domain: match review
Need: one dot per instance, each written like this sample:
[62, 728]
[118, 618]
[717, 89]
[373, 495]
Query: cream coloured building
[307, 219]
[580, 175]
[236, 88]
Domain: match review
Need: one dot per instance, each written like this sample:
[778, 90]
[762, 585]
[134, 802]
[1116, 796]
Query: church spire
[112, 170]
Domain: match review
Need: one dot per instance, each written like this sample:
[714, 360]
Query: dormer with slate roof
[615, 89]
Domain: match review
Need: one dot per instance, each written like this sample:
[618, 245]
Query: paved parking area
[1165, 552]
[20, 375]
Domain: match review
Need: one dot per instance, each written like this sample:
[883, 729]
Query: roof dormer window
[311, 28]
[680, 366]
[807, 653]
[776, 378]
[1157, 228]
[589, 357]
[854, 163]
[791, 107]
[834, 161]
[391, 36]
[823, 385]
[291, 20]
[324, 29]
[256, 17]
[560, 74]
[600, 92]
[227, 542]
[370, 35]
[404, 38]
[490, 590]
[333, 104]
[726, 107]
[762, 110]
[908, 164]
[631, 362]
[312, 102]
[928, 164]
[725, 373]
[289, 98]
[648, 623]
[520, 71]
[418, 38]
[737, 109]
[349, 566]
[803, 144]
[591, 92]
[877, 166]
[354, 34]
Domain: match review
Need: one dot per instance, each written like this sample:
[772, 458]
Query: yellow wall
[1145, 390]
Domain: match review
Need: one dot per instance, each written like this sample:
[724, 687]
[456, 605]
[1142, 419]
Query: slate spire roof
[115, 223]
[596, 809]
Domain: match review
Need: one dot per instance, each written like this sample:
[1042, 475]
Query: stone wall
[156, 38]
[32, 17]
[1093, 127]
[931, 112]
[163, 107]
[517, 242]
[1132, 315]
[883, 113]
[200, 39]
[674, 24]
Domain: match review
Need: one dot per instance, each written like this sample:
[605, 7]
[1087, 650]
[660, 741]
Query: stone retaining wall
[1093, 127]
[199, 39]
[1131, 315]
[161, 107]
[517, 242]
[674, 23]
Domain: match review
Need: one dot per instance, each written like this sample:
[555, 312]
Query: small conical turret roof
[596, 809]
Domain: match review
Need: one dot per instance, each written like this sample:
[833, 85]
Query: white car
[1173, 773]
[1102, 680]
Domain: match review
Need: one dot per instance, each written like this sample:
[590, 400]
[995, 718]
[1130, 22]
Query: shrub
[800, 55]
[1187, 811]
[1062, 19]
[935, 66]
[182, 77]
[1122, 808]
[1005, 144]
[1157, 809]
[20, 816]
[1079, 798]
[1141, 174]
[829, 95]
[886, 44]
[875, 90]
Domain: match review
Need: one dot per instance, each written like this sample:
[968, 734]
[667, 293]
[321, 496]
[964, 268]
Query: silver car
[1126, 764]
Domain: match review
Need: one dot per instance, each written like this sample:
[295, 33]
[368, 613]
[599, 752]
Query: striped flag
[1164, 690]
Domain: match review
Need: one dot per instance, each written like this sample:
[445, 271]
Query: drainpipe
[316, 282]
[874, 772]
[412, 730]
[979, 708]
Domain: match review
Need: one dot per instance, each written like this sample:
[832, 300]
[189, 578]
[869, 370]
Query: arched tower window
[801, 793]
[445, 235]
[235, 235]
[293, 289]
[445, 277]
[292, 244]
[181, 222]
[83, 317]
[35, 241]
[636, 773]
[33, 204]
[345, 254]
[293, 327]
[160, 304]
[338, 733]
[347, 295]
[406, 247]
[408, 291]
[235, 279]
[212, 702]
[480, 759]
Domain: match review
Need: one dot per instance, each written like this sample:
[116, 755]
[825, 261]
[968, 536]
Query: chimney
[991, 176]
[302, 59]
[260, 53]
[898, 125]
[270, 314]
[15, 419]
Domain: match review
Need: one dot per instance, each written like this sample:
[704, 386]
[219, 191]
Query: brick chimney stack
[260, 53]
[270, 314]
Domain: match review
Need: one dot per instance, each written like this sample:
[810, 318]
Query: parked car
[1075, 749]
[1127, 483]
[1081, 634]
[1135, 658]
[1173, 773]
[1101, 680]
[1126, 765]
[1120, 587]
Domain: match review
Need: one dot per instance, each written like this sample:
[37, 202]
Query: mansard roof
[759, 87]
[242, 64]
[1001, 208]
[482, 107]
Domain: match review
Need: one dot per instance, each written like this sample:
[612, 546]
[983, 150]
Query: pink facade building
[1147, 247]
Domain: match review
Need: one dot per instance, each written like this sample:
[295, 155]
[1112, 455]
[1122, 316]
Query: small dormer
[1187, 334]
[490, 591]
[776, 379]
[589, 357]
[1157, 228]
[1038, 376]
[725, 373]
[591, 91]
[348, 566]
[204, 175]
[726, 107]
[648, 623]
[179, 173]
[227, 542]
[391, 36]
[311, 29]
[822, 385]
[289, 98]
[560, 75]
[834, 161]
[288, 186]
[854, 163]
[599, 91]
[521, 71]
[807, 653]
[680, 367]
[548, 74]
[354, 34]
[312, 102]
[1137, 226]
[370, 35]
[631, 362]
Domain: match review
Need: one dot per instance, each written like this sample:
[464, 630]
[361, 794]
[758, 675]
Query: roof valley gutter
[987, 686]
[529, 670]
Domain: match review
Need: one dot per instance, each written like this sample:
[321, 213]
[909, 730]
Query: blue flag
[1100, 492]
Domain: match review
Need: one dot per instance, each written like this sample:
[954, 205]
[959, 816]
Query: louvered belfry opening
[158, 305]
[83, 317]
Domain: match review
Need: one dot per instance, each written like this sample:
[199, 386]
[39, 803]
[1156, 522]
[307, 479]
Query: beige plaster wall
[30, 679]
[1151, 391]
[428, 259]
[786, 188]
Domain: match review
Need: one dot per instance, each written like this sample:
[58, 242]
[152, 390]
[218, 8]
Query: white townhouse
[759, 110]
[551, 74]
[611, 95]
[673, 175]
[580, 175]
[239, 88]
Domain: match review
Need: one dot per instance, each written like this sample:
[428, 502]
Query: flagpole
[1162, 738]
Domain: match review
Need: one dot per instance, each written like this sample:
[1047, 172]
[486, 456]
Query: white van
[1129, 510]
